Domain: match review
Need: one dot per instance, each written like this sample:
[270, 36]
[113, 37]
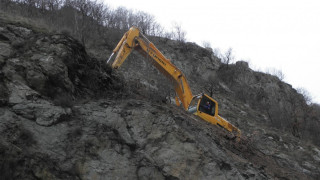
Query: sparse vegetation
[276, 72]
[178, 33]
[207, 45]
[228, 57]
[306, 95]
[88, 20]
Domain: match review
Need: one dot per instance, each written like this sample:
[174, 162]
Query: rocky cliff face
[279, 105]
[66, 115]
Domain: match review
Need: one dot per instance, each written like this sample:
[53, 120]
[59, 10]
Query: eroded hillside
[67, 115]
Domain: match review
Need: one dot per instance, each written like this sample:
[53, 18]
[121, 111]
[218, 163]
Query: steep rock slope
[279, 105]
[47, 135]
[65, 115]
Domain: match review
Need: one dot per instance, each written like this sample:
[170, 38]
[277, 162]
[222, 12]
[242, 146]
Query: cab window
[207, 106]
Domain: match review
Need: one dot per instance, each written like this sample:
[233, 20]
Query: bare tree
[178, 33]
[206, 44]
[98, 12]
[228, 57]
[121, 18]
[156, 30]
[211, 84]
[276, 72]
[306, 95]
[168, 35]
[145, 22]
[217, 53]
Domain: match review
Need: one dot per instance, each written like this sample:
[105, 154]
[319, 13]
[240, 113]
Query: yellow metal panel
[124, 52]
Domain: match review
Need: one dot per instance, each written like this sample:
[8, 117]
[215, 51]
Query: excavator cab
[203, 104]
[207, 108]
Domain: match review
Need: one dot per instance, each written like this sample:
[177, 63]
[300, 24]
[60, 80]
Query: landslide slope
[66, 115]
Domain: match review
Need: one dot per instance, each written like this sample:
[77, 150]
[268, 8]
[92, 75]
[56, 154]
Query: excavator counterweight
[201, 105]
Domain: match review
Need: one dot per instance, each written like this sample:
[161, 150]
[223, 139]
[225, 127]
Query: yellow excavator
[201, 105]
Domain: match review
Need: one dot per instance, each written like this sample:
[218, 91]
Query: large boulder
[30, 105]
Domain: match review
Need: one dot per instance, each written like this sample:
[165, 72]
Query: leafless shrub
[306, 95]
[217, 53]
[207, 45]
[228, 57]
[178, 33]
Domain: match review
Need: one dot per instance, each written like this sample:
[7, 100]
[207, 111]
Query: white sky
[281, 34]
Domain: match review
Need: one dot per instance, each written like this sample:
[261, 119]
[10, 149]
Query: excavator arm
[134, 40]
[198, 105]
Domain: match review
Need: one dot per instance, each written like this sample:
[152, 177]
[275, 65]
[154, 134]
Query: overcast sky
[281, 34]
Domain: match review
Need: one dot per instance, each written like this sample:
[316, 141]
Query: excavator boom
[201, 105]
[133, 39]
